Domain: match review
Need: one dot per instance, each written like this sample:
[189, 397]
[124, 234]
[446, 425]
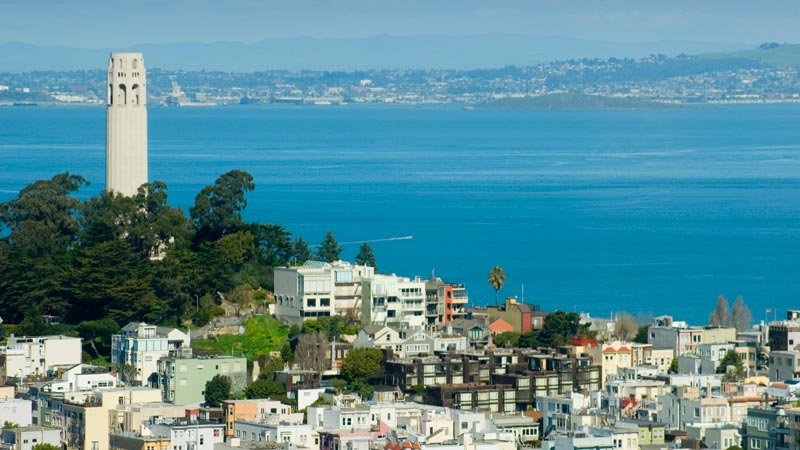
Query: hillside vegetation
[93, 259]
[264, 334]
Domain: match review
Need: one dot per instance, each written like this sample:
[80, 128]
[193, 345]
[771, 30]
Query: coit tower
[126, 124]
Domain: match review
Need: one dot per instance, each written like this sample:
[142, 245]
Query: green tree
[559, 327]
[273, 243]
[529, 339]
[220, 262]
[673, 365]
[217, 389]
[33, 323]
[362, 388]
[366, 257]
[44, 218]
[262, 388]
[112, 280]
[156, 224]
[45, 446]
[731, 365]
[338, 384]
[641, 335]
[97, 335]
[363, 364]
[497, 278]
[302, 252]
[509, 337]
[287, 355]
[332, 326]
[217, 209]
[329, 249]
[38, 229]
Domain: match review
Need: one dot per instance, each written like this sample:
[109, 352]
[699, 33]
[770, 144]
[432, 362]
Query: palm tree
[497, 278]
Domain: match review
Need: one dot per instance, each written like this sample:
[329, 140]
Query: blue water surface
[600, 211]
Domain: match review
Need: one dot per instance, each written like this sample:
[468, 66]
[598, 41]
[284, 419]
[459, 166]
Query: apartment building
[687, 340]
[252, 410]
[28, 356]
[784, 365]
[16, 410]
[183, 380]
[141, 345]
[27, 437]
[444, 302]
[86, 420]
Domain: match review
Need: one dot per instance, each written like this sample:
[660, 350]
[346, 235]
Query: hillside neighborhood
[381, 361]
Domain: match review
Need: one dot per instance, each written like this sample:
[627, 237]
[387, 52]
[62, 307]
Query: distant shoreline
[525, 104]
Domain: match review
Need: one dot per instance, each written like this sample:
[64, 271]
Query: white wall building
[141, 346]
[81, 377]
[320, 289]
[15, 410]
[187, 435]
[27, 356]
[25, 438]
[300, 434]
[126, 124]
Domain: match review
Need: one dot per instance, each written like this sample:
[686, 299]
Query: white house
[27, 356]
[16, 410]
[141, 345]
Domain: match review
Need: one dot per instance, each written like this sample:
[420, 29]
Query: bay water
[598, 211]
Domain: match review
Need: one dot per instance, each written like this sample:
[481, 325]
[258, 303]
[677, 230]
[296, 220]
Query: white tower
[126, 124]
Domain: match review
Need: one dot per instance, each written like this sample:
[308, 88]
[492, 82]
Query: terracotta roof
[500, 325]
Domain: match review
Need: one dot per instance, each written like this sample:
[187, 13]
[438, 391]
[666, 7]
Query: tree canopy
[118, 258]
[731, 365]
[217, 209]
[217, 389]
[363, 365]
[366, 257]
[329, 249]
[497, 278]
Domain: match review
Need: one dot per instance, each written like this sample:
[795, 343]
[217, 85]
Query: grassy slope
[263, 335]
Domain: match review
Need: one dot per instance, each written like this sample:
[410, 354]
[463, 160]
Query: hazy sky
[96, 23]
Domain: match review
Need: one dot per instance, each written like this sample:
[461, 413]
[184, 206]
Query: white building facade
[141, 345]
[28, 356]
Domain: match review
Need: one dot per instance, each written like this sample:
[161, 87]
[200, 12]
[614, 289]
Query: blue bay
[598, 211]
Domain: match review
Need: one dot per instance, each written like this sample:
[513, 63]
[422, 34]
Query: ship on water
[179, 98]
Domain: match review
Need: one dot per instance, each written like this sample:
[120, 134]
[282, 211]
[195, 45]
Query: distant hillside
[567, 101]
[772, 54]
[377, 52]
